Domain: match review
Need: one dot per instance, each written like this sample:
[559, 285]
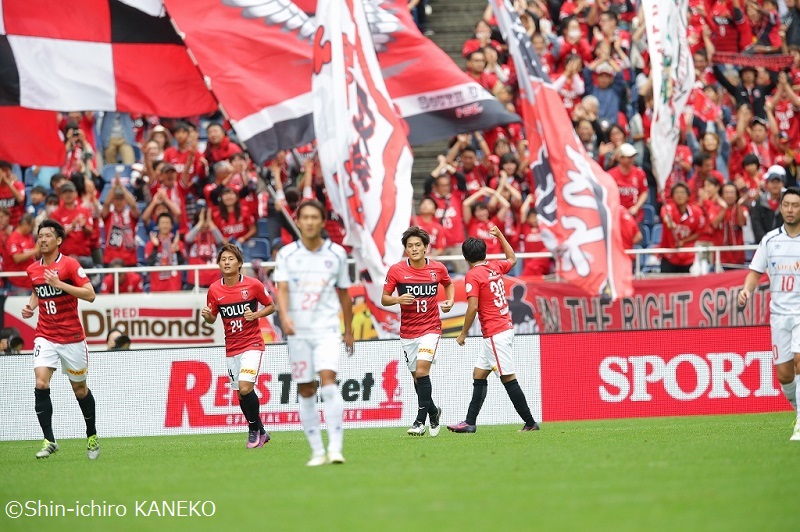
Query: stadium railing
[644, 263]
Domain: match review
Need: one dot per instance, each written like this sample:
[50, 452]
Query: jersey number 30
[499, 291]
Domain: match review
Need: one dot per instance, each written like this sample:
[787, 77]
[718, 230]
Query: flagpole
[207, 81]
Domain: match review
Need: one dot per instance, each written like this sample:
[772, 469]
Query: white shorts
[74, 357]
[310, 355]
[497, 353]
[422, 348]
[785, 338]
[244, 367]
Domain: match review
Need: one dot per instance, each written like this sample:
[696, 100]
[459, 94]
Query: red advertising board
[665, 303]
[658, 373]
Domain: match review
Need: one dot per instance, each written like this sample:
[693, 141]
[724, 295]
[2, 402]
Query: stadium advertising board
[659, 373]
[666, 303]
[187, 391]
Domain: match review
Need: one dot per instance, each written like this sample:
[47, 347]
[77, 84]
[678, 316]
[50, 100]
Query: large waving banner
[363, 150]
[673, 78]
[577, 202]
[46, 150]
[102, 55]
[258, 57]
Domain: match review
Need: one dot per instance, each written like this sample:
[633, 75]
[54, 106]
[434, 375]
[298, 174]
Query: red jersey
[687, 224]
[434, 230]
[58, 311]
[166, 281]
[476, 178]
[178, 159]
[7, 200]
[531, 242]
[631, 186]
[788, 118]
[78, 241]
[18, 243]
[480, 230]
[233, 227]
[203, 250]
[485, 281]
[711, 209]
[628, 227]
[449, 212]
[120, 237]
[132, 283]
[232, 302]
[422, 316]
[732, 235]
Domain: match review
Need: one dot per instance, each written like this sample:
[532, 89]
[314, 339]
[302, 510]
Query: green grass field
[693, 473]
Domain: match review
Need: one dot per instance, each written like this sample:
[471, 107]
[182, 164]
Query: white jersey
[313, 278]
[778, 254]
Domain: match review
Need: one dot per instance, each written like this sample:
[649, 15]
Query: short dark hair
[750, 158]
[215, 124]
[791, 190]
[678, 185]
[231, 248]
[5, 165]
[27, 219]
[163, 215]
[466, 149]
[471, 54]
[418, 232]
[57, 228]
[474, 250]
[40, 190]
[314, 204]
[700, 159]
[713, 180]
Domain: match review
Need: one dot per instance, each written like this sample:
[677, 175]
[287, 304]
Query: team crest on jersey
[433, 276]
[244, 293]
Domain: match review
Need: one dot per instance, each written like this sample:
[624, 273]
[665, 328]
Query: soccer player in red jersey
[486, 296]
[416, 280]
[236, 297]
[58, 282]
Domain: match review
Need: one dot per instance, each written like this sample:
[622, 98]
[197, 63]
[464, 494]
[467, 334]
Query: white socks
[309, 418]
[792, 393]
[333, 406]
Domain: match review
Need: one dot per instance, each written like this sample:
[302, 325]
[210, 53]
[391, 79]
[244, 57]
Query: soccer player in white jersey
[313, 281]
[778, 255]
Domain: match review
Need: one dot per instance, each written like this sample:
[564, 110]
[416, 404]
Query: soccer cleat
[462, 427]
[316, 460]
[264, 436]
[253, 439]
[795, 434]
[335, 458]
[435, 426]
[528, 428]
[48, 448]
[92, 448]
[417, 429]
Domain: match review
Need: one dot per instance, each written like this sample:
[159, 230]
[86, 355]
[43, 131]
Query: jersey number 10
[787, 283]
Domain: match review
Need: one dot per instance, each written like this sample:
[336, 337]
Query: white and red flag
[97, 55]
[577, 202]
[257, 55]
[362, 144]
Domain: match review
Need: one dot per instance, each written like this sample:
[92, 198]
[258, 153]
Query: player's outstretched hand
[406, 299]
[27, 312]
[461, 339]
[495, 231]
[744, 296]
[206, 313]
[287, 325]
[447, 305]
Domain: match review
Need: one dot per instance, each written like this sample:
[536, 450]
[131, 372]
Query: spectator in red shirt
[729, 28]
[235, 222]
[713, 211]
[783, 113]
[166, 191]
[629, 228]
[483, 38]
[545, 56]
[12, 193]
[78, 224]
[683, 225]
[703, 166]
[475, 171]
[478, 219]
[530, 241]
[19, 252]
[569, 84]
[449, 212]
[164, 249]
[755, 141]
[766, 25]
[120, 215]
[749, 181]
[426, 220]
[204, 241]
[476, 64]
[185, 156]
[219, 147]
[80, 155]
[733, 222]
[631, 180]
[572, 42]
[129, 282]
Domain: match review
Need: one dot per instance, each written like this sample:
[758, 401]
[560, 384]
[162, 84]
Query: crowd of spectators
[142, 190]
